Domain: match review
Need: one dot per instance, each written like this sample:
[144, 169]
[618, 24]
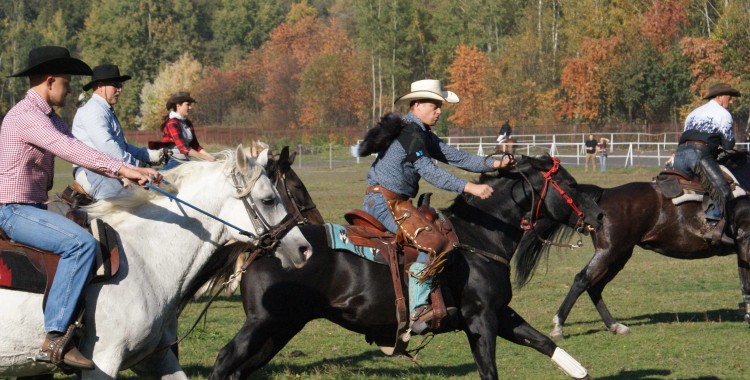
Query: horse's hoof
[557, 332]
[619, 329]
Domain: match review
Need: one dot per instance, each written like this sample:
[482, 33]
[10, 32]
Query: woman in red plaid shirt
[179, 132]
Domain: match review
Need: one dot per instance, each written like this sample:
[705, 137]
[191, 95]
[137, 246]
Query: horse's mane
[378, 138]
[532, 248]
[175, 179]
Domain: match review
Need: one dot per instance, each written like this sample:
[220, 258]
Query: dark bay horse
[638, 214]
[357, 294]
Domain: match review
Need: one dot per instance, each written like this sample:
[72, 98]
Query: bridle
[535, 211]
[297, 210]
[268, 236]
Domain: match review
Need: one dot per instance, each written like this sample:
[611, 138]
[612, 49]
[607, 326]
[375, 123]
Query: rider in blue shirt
[396, 172]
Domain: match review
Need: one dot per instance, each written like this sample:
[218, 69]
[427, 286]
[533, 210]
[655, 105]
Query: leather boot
[51, 351]
[421, 318]
[718, 235]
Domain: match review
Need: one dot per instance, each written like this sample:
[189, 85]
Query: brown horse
[638, 214]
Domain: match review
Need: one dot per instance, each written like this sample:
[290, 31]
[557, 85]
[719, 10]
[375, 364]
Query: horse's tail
[532, 247]
[379, 137]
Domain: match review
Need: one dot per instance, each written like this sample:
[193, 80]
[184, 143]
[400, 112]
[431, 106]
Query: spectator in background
[179, 133]
[590, 154]
[601, 152]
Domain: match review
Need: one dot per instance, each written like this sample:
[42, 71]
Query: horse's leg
[597, 287]
[481, 332]
[742, 246]
[602, 268]
[515, 329]
[162, 365]
[252, 347]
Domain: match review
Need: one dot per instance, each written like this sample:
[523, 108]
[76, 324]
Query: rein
[529, 226]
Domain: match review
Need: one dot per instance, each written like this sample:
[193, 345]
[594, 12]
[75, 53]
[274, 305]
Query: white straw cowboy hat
[427, 89]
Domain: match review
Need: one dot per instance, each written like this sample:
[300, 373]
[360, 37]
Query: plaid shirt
[181, 133]
[31, 135]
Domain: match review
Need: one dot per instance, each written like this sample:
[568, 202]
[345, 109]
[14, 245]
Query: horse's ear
[262, 159]
[292, 157]
[241, 156]
[284, 156]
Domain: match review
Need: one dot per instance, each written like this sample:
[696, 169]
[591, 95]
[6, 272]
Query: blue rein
[170, 196]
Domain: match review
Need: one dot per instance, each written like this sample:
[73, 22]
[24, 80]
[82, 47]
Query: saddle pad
[341, 238]
[18, 272]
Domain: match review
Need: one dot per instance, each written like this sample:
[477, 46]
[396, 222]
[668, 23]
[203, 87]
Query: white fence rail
[624, 149]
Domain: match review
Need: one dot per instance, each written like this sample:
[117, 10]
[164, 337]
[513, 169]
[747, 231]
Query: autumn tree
[468, 78]
[582, 80]
[173, 77]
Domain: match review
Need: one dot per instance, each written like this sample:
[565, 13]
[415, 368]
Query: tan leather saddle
[29, 269]
[396, 252]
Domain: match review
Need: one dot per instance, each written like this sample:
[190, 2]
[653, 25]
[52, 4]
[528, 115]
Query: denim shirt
[393, 171]
[96, 125]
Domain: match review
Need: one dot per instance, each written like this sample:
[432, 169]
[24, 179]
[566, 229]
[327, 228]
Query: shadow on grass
[650, 374]
[352, 366]
[713, 316]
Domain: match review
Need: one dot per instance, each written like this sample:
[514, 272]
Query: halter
[527, 226]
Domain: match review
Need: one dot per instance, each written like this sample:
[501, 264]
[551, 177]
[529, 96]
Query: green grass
[683, 314]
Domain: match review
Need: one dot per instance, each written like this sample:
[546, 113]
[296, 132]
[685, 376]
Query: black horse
[637, 213]
[341, 287]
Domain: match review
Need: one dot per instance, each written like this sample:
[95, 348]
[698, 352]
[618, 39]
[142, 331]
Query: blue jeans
[603, 162]
[39, 228]
[102, 186]
[686, 159]
[375, 205]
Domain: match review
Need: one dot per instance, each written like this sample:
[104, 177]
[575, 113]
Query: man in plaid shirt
[31, 135]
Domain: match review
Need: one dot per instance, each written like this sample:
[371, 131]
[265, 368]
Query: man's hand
[480, 191]
[141, 175]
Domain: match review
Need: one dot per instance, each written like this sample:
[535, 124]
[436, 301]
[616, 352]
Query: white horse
[131, 319]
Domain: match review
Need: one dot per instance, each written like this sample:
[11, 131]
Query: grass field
[683, 314]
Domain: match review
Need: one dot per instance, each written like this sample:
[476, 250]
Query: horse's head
[293, 192]
[554, 194]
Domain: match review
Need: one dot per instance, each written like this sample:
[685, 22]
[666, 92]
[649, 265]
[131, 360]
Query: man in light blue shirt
[96, 125]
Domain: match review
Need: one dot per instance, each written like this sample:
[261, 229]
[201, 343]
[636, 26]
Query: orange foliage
[468, 75]
[582, 78]
[662, 22]
[706, 57]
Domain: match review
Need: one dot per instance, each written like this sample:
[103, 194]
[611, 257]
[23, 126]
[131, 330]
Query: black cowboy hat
[106, 73]
[179, 97]
[721, 89]
[53, 60]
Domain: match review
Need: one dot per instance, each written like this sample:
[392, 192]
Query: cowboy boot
[55, 346]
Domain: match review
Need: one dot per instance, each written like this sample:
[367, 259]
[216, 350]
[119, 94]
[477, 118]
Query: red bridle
[525, 225]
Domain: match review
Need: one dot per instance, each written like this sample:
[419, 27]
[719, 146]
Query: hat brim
[730, 91]
[121, 78]
[444, 96]
[71, 66]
